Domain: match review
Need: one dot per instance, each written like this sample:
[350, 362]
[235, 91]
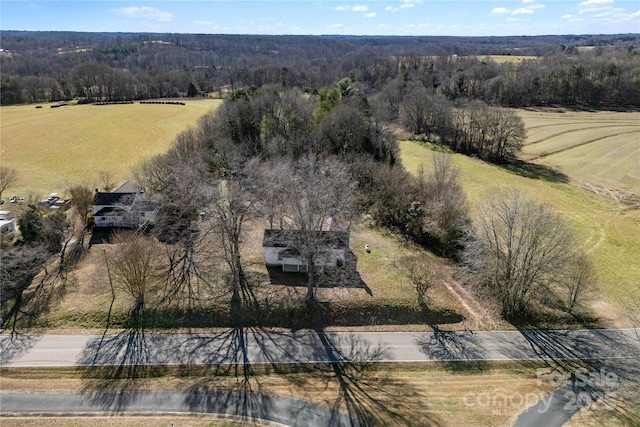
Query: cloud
[406, 4]
[370, 15]
[500, 10]
[595, 9]
[522, 11]
[594, 2]
[337, 26]
[203, 22]
[144, 12]
[571, 18]
[354, 8]
[527, 10]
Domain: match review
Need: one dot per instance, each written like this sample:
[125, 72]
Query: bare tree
[416, 269]
[578, 281]
[506, 135]
[81, 202]
[8, 177]
[518, 248]
[232, 203]
[175, 182]
[446, 207]
[319, 197]
[134, 268]
[107, 179]
[19, 267]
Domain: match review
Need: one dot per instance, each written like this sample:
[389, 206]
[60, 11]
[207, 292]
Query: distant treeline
[587, 71]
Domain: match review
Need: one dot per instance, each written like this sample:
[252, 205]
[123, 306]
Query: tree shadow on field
[234, 362]
[370, 396]
[535, 171]
[597, 366]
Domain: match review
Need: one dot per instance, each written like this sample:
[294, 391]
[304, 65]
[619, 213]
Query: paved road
[257, 346]
[616, 350]
[276, 409]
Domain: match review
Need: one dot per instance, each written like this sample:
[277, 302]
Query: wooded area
[591, 71]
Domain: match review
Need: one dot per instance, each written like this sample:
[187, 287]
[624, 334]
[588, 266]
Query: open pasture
[509, 59]
[601, 149]
[609, 231]
[53, 147]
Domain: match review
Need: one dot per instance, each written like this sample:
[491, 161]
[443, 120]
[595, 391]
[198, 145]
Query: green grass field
[54, 147]
[609, 231]
[596, 149]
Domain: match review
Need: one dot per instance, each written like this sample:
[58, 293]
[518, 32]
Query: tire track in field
[575, 130]
[479, 315]
[587, 243]
[561, 150]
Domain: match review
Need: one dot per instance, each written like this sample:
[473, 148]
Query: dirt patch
[625, 197]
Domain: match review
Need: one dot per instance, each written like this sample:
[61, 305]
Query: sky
[367, 17]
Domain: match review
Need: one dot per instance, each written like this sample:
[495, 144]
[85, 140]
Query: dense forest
[585, 71]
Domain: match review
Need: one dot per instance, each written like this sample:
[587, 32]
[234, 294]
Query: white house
[126, 206]
[280, 250]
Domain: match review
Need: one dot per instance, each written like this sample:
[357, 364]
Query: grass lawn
[609, 231]
[54, 147]
[385, 296]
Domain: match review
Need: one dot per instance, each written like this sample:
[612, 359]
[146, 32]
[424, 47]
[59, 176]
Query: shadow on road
[111, 365]
[14, 344]
[338, 374]
[370, 396]
[453, 347]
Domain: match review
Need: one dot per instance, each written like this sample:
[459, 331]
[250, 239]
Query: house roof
[113, 198]
[128, 187]
[110, 210]
[284, 238]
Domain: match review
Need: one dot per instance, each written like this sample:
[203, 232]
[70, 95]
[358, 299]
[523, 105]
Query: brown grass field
[599, 150]
[54, 147]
